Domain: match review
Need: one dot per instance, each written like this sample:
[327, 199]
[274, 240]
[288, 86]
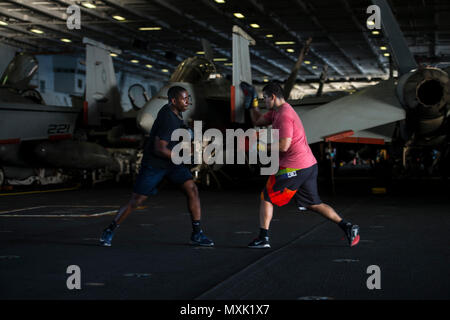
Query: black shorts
[149, 177]
[298, 183]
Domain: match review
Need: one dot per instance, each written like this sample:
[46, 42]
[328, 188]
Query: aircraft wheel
[208, 179]
[87, 180]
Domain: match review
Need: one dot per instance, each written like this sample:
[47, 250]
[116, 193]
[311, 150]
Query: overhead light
[149, 28]
[228, 64]
[254, 25]
[34, 30]
[314, 67]
[266, 80]
[200, 52]
[375, 32]
[119, 18]
[386, 54]
[220, 1]
[284, 42]
[307, 62]
[3, 23]
[239, 15]
[290, 50]
[134, 61]
[66, 40]
[112, 54]
[383, 48]
[149, 66]
[164, 70]
[370, 23]
[88, 5]
[220, 59]
[269, 35]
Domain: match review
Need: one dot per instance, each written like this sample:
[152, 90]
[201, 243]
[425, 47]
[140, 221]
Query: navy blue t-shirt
[166, 122]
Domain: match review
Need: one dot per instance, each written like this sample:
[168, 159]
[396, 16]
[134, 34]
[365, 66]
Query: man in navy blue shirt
[157, 164]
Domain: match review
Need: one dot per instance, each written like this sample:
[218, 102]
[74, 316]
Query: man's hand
[250, 95]
[251, 102]
[258, 146]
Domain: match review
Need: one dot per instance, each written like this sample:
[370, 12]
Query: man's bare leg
[265, 217]
[326, 211]
[191, 191]
[351, 231]
[265, 214]
[193, 199]
[135, 201]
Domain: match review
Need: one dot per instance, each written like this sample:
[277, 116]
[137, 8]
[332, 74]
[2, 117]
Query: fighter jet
[215, 100]
[47, 144]
[412, 110]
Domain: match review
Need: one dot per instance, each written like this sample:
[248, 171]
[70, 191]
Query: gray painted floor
[404, 232]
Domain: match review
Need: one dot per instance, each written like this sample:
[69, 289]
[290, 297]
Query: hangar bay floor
[404, 233]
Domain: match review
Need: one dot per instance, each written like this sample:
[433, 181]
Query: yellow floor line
[62, 215]
[43, 191]
[16, 210]
[59, 215]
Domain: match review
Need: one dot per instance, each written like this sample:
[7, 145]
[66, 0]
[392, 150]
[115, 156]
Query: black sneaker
[352, 234]
[199, 239]
[106, 237]
[258, 243]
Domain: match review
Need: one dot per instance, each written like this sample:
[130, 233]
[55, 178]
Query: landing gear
[87, 178]
[2, 177]
[204, 174]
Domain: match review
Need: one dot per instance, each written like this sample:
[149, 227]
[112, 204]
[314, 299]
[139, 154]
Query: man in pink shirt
[297, 175]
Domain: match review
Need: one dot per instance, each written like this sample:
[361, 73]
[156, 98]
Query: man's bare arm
[285, 143]
[258, 118]
[283, 146]
[161, 148]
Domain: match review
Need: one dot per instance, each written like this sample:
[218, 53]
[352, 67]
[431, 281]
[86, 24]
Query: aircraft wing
[384, 132]
[372, 107]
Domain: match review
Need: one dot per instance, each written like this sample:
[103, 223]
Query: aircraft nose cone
[146, 121]
[149, 112]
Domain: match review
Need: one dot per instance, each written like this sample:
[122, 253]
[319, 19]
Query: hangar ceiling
[338, 29]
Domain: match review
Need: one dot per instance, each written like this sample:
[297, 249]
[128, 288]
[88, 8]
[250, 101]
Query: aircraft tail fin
[207, 49]
[289, 84]
[241, 72]
[400, 50]
[102, 93]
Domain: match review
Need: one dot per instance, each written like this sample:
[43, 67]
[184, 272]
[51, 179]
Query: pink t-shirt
[299, 154]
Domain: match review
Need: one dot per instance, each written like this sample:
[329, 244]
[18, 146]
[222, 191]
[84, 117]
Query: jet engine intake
[424, 93]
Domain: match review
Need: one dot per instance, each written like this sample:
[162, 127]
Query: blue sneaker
[106, 237]
[199, 239]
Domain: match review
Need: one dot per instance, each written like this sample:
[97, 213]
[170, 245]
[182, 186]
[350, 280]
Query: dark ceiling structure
[156, 35]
